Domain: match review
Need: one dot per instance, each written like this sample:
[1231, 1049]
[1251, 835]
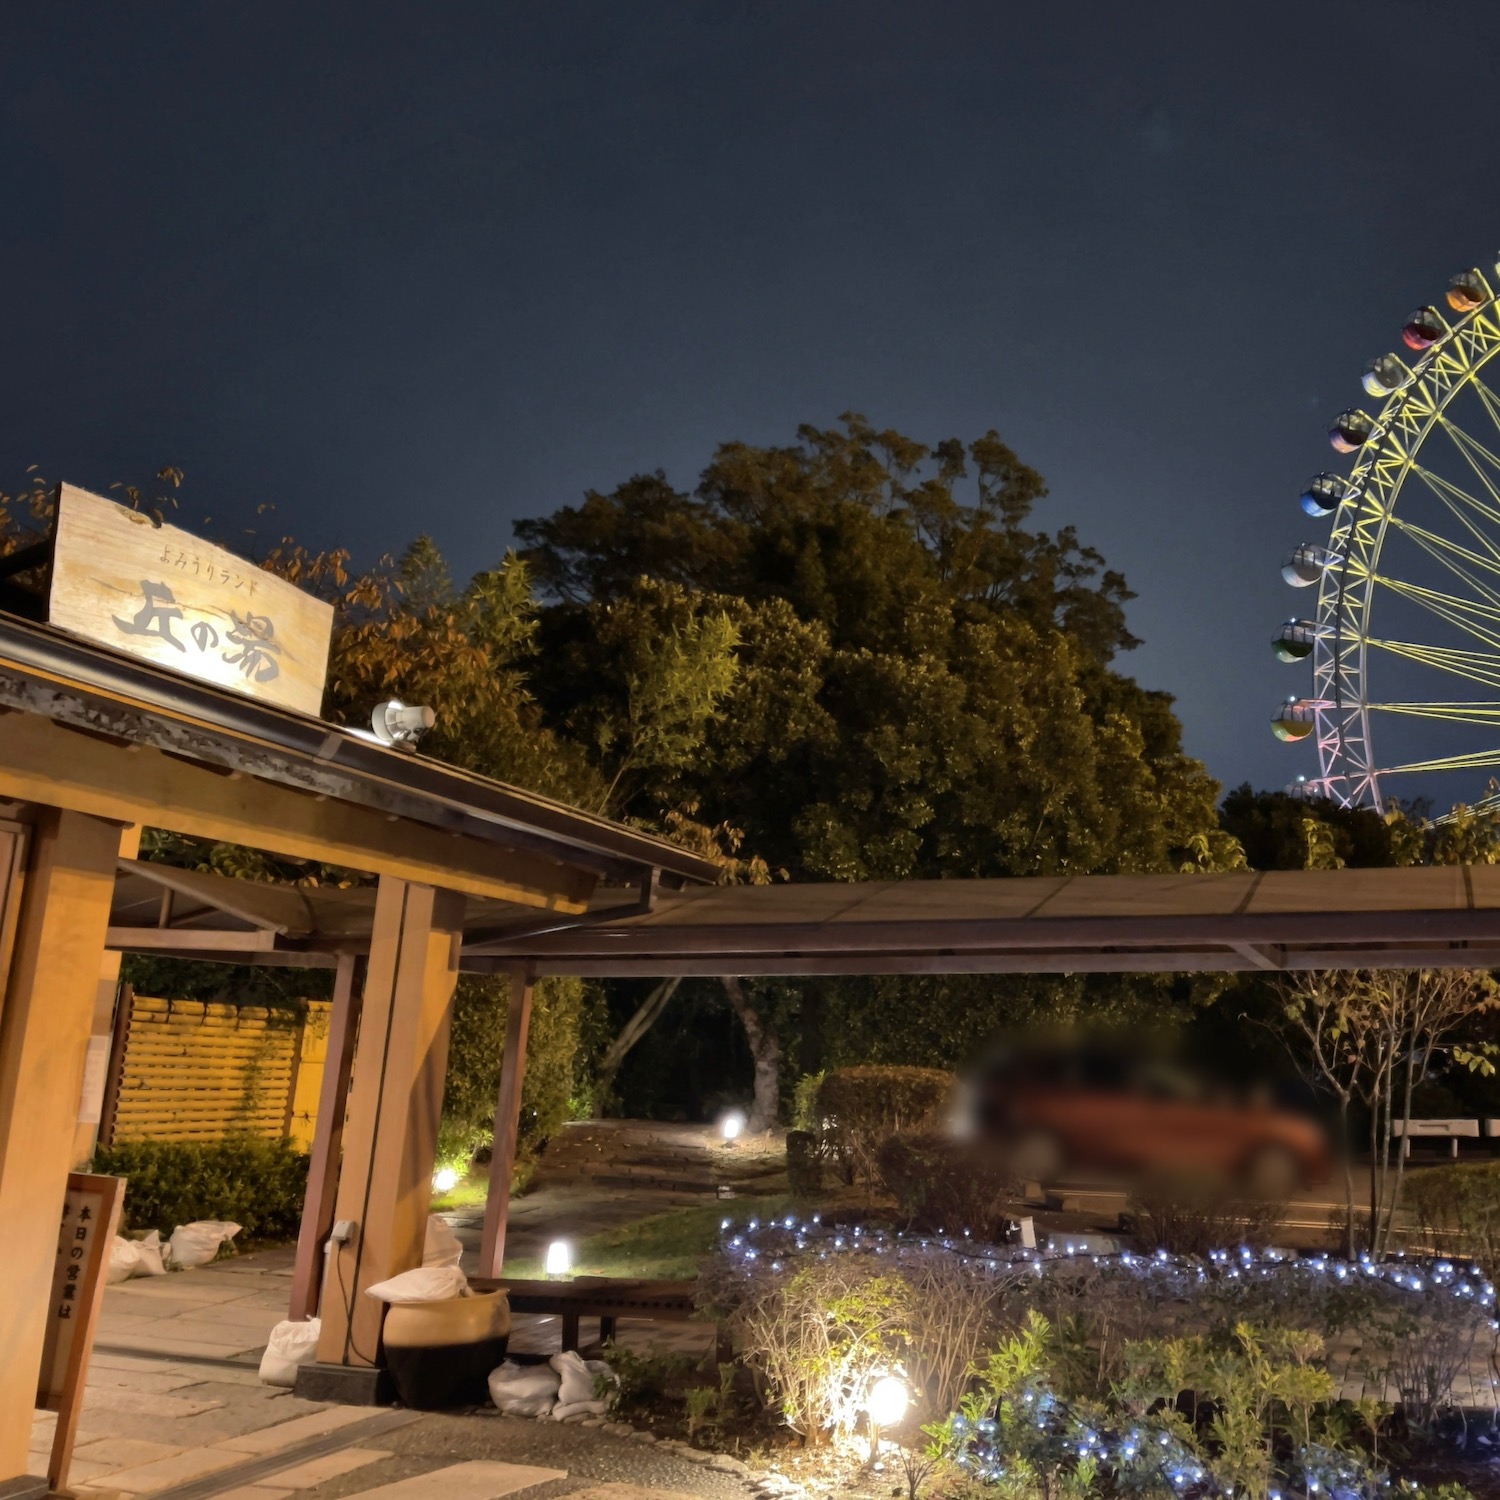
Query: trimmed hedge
[943, 1184]
[256, 1184]
[860, 1108]
[1458, 1211]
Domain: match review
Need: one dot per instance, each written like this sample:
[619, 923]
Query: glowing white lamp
[559, 1258]
[887, 1402]
[732, 1126]
[445, 1179]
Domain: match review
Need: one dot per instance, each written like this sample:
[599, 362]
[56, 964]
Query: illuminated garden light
[445, 1179]
[732, 1126]
[559, 1258]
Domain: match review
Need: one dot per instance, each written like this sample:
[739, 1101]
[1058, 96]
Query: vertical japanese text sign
[91, 1216]
[157, 592]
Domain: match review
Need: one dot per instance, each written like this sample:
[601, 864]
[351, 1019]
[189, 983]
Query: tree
[923, 686]
[1369, 1036]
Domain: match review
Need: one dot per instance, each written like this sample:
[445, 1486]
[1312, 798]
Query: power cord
[347, 1298]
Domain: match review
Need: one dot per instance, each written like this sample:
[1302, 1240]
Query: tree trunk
[646, 1016]
[765, 1050]
[1347, 1152]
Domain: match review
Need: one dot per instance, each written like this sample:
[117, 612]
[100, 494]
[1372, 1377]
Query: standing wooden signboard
[91, 1218]
[122, 579]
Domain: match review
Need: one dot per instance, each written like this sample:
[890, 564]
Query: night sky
[397, 268]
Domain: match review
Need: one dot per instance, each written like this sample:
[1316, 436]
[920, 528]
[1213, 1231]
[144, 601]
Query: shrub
[256, 1184]
[476, 1050]
[804, 1163]
[1193, 1216]
[1457, 1210]
[943, 1184]
[861, 1107]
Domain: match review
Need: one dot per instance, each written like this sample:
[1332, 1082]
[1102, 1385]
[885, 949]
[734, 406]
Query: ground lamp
[732, 1126]
[885, 1405]
[559, 1258]
[445, 1179]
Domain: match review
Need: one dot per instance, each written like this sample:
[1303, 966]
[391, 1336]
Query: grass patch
[661, 1247]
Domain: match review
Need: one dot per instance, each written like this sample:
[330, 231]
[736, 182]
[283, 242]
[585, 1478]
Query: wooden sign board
[157, 592]
[91, 1218]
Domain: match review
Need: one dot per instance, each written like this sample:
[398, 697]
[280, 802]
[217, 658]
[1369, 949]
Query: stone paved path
[175, 1409]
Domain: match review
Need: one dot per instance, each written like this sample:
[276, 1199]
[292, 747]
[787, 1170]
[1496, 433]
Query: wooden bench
[604, 1297]
[1451, 1131]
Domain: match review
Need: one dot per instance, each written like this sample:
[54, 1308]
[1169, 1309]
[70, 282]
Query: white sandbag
[523, 1390]
[290, 1345]
[576, 1385]
[198, 1243]
[425, 1284]
[441, 1247]
[128, 1258]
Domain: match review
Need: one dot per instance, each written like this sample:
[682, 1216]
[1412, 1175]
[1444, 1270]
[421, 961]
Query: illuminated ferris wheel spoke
[1450, 607]
[1474, 666]
[1441, 550]
[1428, 554]
[1477, 761]
[1453, 713]
[1460, 502]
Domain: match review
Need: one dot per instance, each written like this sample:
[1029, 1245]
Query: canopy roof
[1305, 919]
[99, 732]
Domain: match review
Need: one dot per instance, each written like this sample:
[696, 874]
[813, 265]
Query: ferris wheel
[1405, 640]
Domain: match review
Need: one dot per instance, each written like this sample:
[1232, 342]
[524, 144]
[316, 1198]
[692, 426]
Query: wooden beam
[41, 761]
[395, 1101]
[1263, 956]
[323, 1161]
[507, 1124]
[185, 939]
[44, 1031]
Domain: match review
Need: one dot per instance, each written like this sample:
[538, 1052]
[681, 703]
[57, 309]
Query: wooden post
[323, 1160]
[395, 1100]
[507, 1123]
[44, 1030]
[100, 1056]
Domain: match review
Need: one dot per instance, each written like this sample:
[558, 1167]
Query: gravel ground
[589, 1455]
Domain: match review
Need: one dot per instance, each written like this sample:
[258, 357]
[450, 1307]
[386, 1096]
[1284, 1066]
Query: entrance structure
[95, 745]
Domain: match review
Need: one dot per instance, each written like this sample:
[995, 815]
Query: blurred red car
[1081, 1108]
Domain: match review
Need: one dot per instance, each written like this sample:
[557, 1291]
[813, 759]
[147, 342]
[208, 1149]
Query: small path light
[559, 1258]
[732, 1126]
[885, 1405]
[445, 1179]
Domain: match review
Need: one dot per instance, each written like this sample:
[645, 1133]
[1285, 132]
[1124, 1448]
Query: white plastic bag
[441, 1247]
[291, 1344]
[129, 1258]
[425, 1284]
[523, 1390]
[575, 1395]
[197, 1243]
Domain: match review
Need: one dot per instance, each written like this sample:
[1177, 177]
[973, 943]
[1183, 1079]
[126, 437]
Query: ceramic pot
[440, 1353]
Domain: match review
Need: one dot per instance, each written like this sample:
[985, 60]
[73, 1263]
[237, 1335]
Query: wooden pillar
[44, 1030]
[395, 1100]
[101, 1033]
[507, 1124]
[323, 1161]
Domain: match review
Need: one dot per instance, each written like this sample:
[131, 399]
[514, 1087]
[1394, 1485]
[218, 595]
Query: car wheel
[1273, 1173]
[1037, 1157]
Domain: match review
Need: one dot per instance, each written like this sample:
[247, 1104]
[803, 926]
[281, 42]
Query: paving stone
[165, 1473]
[304, 1476]
[126, 1452]
[298, 1430]
[252, 1492]
[479, 1479]
[143, 1403]
[138, 1380]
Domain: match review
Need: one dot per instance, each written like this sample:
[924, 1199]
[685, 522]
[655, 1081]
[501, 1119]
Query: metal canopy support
[507, 1124]
[48, 1009]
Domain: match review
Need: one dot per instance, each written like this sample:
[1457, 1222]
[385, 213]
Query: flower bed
[1253, 1374]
